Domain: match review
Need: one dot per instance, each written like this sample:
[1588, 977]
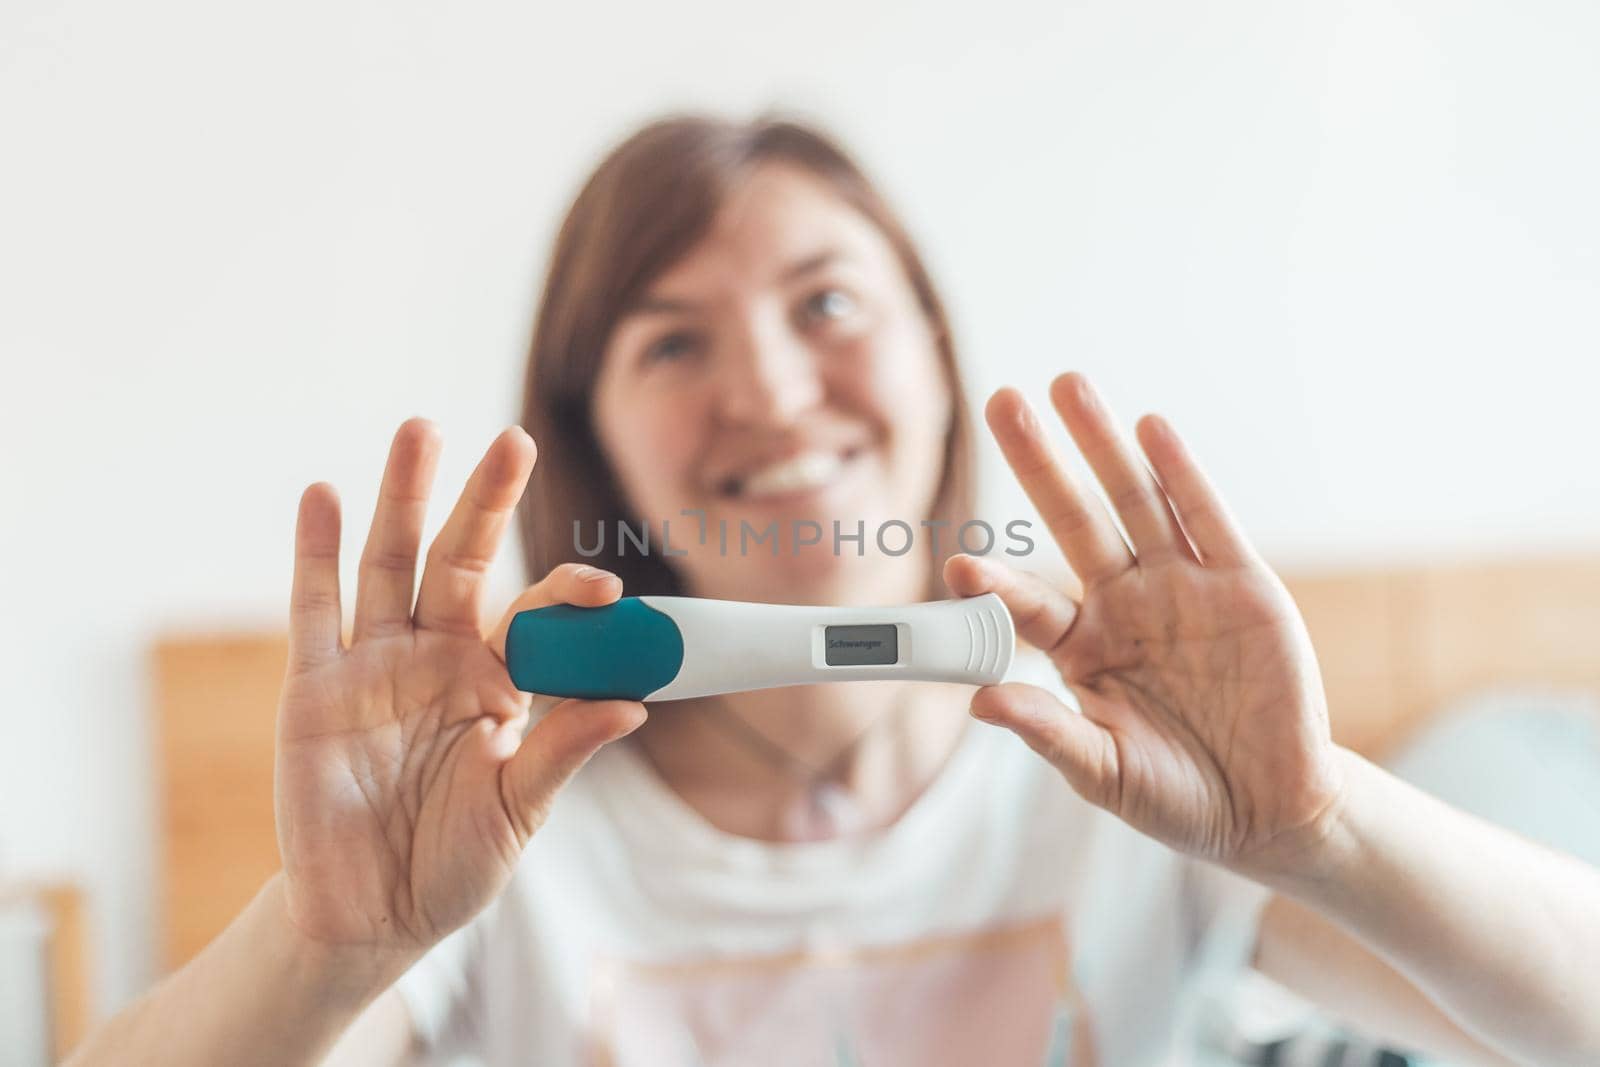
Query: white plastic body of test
[732, 646]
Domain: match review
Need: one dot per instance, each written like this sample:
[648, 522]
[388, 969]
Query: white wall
[1351, 246]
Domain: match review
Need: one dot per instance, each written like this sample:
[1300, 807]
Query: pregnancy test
[673, 648]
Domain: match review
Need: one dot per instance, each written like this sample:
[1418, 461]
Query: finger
[314, 618]
[1132, 489]
[1092, 545]
[1216, 535]
[554, 749]
[1082, 750]
[570, 583]
[458, 562]
[388, 577]
[1042, 613]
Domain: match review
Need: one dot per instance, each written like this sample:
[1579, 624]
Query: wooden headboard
[1395, 646]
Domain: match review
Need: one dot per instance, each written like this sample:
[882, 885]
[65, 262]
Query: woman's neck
[807, 762]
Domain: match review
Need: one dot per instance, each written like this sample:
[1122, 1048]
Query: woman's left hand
[1204, 722]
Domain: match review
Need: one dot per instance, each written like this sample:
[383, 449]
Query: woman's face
[781, 371]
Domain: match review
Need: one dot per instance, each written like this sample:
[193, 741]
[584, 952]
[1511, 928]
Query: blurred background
[1352, 247]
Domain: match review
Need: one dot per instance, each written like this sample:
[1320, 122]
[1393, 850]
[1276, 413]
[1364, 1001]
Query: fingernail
[593, 574]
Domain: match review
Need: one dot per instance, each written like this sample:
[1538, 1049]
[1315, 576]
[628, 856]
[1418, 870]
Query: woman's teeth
[797, 474]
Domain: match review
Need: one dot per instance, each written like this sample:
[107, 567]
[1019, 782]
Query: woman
[737, 333]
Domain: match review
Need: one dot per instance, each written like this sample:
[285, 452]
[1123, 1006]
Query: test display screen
[858, 646]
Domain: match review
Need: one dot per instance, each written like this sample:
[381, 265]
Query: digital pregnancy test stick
[672, 648]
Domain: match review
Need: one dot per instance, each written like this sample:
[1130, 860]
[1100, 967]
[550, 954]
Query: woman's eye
[828, 305]
[672, 346]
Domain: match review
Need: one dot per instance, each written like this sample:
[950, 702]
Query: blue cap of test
[622, 651]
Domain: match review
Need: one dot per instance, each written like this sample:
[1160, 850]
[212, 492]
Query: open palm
[405, 789]
[1203, 718]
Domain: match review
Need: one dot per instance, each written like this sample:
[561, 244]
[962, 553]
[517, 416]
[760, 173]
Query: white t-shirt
[1001, 921]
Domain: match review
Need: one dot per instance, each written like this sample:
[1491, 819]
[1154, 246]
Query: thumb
[571, 583]
[1081, 749]
[560, 743]
[1044, 614]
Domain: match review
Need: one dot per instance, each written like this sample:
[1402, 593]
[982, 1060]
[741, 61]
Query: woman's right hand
[405, 790]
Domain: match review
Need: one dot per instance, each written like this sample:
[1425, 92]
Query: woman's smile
[807, 476]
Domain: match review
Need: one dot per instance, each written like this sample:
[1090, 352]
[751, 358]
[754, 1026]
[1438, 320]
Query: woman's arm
[406, 783]
[1501, 933]
[258, 994]
[381, 1035]
[1307, 954]
[1204, 725]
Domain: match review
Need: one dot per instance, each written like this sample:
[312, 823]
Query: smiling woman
[735, 327]
[712, 282]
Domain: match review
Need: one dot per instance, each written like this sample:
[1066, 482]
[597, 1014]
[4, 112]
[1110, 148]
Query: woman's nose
[770, 375]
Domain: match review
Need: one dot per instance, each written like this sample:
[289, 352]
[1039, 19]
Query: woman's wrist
[1355, 862]
[342, 978]
[1323, 854]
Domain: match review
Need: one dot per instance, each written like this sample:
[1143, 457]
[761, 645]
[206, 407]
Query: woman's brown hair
[647, 204]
